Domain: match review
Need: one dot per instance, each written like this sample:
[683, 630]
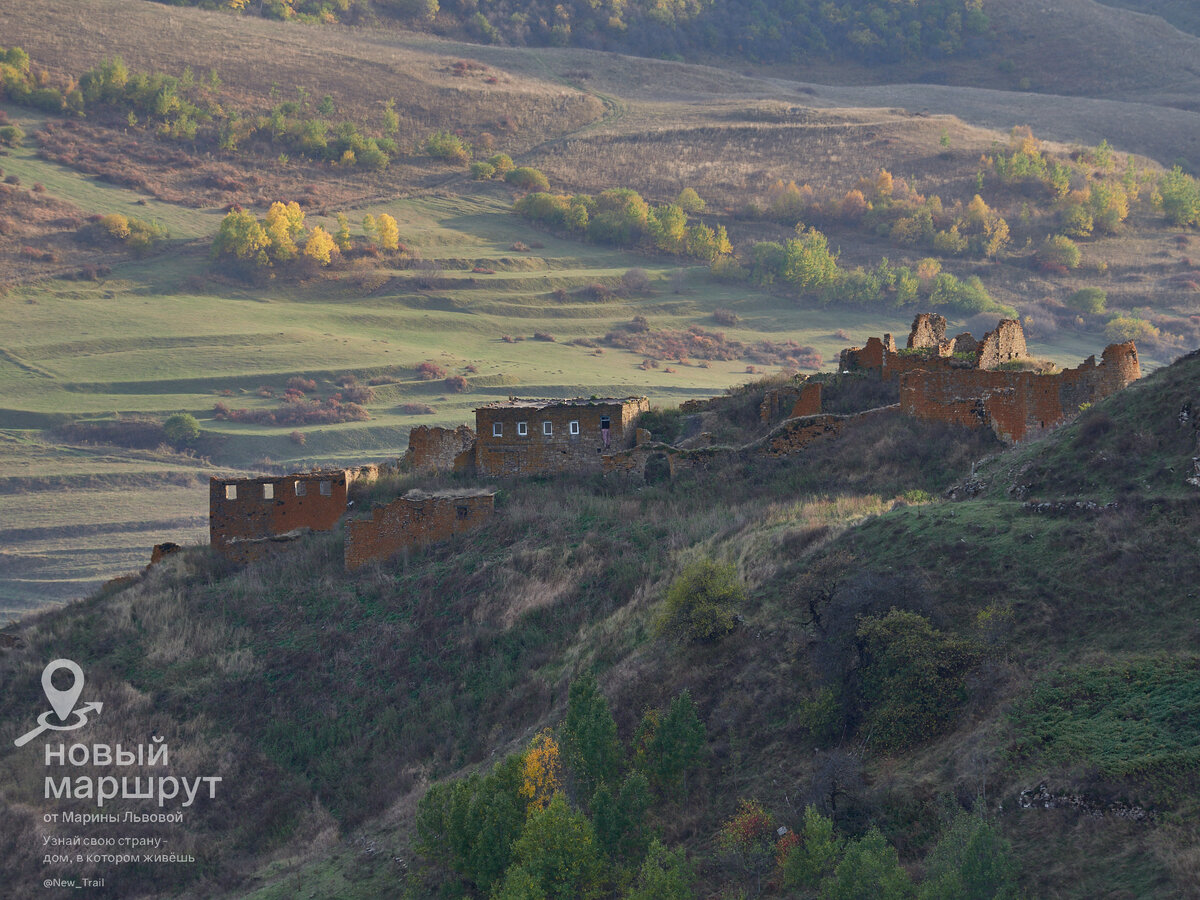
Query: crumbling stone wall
[929, 333]
[870, 359]
[796, 434]
[790, 401]
[414, 520]
[530, 437]
[249, 517]
[929, 350]
[433, 450]
[1005, 344]
[1016, 405]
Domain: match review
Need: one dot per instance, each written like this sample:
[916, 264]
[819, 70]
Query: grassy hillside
[346, 696]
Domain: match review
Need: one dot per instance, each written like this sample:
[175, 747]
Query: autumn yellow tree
[389, 233]
[283, 224]
[542, 770]
[320, 247]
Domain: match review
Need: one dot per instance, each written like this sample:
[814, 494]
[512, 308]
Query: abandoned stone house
[960, 379]
[530, 437]
[247, 515]
[249, 518]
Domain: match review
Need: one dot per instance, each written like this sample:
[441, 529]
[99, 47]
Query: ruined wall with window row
[530, 437]
[248, 515]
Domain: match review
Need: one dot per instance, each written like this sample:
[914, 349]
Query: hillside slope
[329, 702]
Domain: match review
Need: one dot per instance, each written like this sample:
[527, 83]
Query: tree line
[869, 31]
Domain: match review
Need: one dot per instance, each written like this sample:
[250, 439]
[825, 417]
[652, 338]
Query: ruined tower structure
[965, 381]
[530, 437]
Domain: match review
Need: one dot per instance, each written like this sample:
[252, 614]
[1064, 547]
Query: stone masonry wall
[790, 401]
[248, 517]
[1016, 405]
[547, 444]
[433, 450]
[1005, 344]
[412, 521]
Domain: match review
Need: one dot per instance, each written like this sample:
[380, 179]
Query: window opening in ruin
[268, 492]
[547, 428]
[301, 488]
[497, 429]
[231, 492]
[462, 511]
[605, 424]
[522, 428]
[326, 489]
[574, 426]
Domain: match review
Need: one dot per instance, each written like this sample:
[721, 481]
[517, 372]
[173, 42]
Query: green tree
[470, 825]
[391, 121]
[482, 171]
[1180, 197]
[701, 602]
[664, 875]
[527, 178]
[242, 237]
[589, 736]
[870, 870]
[1130, 328]
[815, 856]
[971, 861]
[1058, 252]
[519, 884]
[808, 264]
[557, 847]
[501, 162]
[369, 226]
[181, 429]
[343, 233]
[677, 742]
[1088, 300]
[620, 819]
[911, 678]
[447, 146]
[389, 232]
[689, 201]
[668, 228]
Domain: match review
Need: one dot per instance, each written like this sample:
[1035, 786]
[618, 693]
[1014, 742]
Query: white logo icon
[62, 703]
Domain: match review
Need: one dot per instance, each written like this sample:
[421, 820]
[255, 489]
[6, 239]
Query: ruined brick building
[961, 380]
[246, 516]
[530, 437]
[414, 520]
[250, 518]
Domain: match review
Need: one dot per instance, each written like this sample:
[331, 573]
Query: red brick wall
[241, 528]
[412, 522]
[535, 452]
[790, 401]
[809, 402]
[1005, 344]
[434, 450]
[1016, 405]
[870, 357]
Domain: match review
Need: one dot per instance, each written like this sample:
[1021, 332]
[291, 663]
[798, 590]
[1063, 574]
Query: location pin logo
[62, 701]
